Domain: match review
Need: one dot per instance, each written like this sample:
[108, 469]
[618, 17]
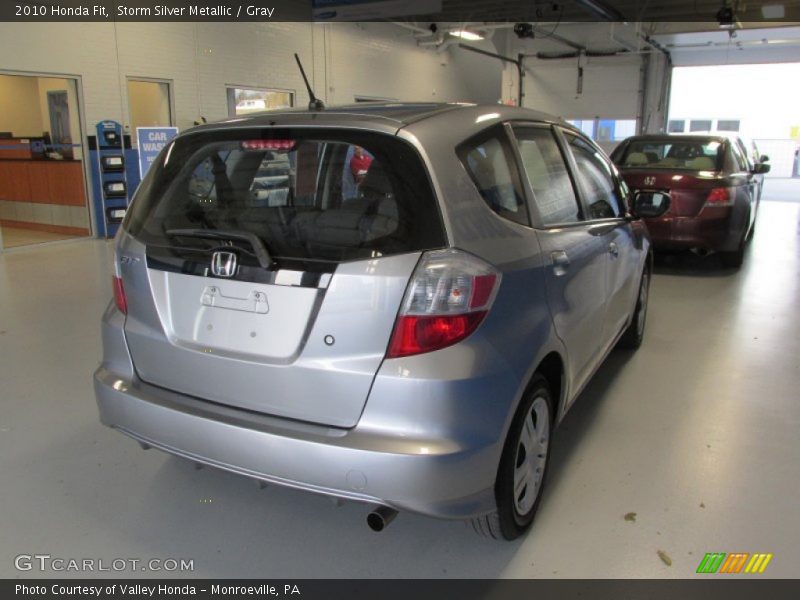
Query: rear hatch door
[263, 272]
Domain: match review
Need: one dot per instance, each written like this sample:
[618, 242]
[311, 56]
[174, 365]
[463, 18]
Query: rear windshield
[689, 155]
[307, 196]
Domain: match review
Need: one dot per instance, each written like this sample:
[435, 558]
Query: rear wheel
[735, 258]
[523, 466]
[634, 334]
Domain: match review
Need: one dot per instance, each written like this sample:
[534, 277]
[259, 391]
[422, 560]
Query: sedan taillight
[720, 196]
[448, 296]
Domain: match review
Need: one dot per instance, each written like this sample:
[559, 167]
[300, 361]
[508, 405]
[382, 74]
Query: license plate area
[254, 302]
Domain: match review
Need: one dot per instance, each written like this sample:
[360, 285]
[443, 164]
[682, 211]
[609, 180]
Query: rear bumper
[444, 478]
[719, 232]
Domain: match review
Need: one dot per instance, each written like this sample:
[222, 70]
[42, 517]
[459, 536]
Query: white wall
[342, 60]
[625, 86]
[610, 87]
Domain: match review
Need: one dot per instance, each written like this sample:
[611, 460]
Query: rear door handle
[560, 262]
[613, 249]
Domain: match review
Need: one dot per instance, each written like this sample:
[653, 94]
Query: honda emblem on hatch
[223, 264]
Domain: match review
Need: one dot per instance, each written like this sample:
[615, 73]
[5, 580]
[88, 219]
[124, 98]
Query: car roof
[387, 116]
[684, 137]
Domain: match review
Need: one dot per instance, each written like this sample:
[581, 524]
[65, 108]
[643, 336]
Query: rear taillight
[448, 296]
[720, 196]
[119, 295]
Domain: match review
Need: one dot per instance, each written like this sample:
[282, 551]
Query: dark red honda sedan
[712, 188]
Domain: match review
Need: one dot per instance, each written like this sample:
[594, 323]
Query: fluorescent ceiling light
[466, 35]
[773, 11]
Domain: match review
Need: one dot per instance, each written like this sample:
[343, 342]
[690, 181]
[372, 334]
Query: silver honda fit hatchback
[393, 304]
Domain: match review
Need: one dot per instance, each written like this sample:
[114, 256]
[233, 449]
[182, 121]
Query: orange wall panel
[65, 180]
[14, 181]
[47, 182]
[38, 181]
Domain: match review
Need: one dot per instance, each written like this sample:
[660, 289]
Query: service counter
[42, 194]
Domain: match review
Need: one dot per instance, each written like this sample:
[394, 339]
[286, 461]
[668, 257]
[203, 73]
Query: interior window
[547, 174]
[489, 165]
[597, 180]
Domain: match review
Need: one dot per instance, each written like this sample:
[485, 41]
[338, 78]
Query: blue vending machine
[109, 180]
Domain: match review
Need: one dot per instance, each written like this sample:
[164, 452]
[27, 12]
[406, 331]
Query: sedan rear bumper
[719, 232]
[439, 479]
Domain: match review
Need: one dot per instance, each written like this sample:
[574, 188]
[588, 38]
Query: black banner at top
[437, 11]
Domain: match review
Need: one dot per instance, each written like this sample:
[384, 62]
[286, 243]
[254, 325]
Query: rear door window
[544, 166]
[309, 198]
[597, 179]
[490, 164]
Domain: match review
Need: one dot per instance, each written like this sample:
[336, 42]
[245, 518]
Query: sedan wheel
[735, 258]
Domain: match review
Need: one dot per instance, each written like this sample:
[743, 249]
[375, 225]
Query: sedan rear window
[691, 155]
[309, 197]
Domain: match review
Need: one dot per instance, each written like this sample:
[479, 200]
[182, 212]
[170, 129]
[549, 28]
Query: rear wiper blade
[261, 253]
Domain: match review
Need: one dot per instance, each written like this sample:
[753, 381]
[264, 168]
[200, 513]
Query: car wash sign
[150, 141]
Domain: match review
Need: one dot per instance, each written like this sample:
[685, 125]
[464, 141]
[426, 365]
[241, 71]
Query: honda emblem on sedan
[223, 264]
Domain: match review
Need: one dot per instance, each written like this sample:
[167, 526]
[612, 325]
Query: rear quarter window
[489, 161]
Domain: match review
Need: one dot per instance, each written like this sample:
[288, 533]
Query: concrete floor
[13, 237]
[697, 433]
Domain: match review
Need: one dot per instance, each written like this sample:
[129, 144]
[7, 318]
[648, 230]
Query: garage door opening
[758, 102]
[42, 183]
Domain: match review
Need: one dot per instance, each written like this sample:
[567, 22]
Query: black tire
[734, 259]
[632, 337]
[508, 521]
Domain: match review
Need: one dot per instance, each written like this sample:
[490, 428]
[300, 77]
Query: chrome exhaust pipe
[380, 517]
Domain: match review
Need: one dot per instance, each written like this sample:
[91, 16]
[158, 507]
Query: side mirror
[649, 205]
[764, 158]
[761, 168]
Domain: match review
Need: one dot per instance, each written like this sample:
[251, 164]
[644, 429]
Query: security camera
[523, 30]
